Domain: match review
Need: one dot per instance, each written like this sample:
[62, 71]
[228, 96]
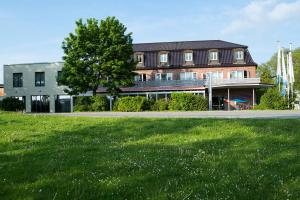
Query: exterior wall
[200, 71]
[1, 92]
[29, 89]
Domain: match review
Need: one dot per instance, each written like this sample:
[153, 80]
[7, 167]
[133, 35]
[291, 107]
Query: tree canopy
[98, 54]
[267, 71]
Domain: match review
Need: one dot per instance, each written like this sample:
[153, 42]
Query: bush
[187, 102]
[94, 103]
[272, 100]
[159, 105]
[99, 103]
[82, 103]
[11, 104]
[132, 104]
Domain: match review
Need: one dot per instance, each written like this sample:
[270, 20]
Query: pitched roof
[185, 45]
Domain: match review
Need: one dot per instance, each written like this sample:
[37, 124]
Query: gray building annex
[36, 85]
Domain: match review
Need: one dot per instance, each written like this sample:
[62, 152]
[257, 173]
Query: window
[217, 75]
[59, 75]
[40, 103]
[39, 79]
[140, 77]
[214, 75]
[239, 55]
[213, 55]
[164, 76]
[163, 58]
[188, 75]
[239, 74]
[188, 57]
[139, 58]
[17, 80]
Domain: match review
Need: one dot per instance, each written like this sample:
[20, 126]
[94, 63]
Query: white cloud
[263, 12]
[284, 11]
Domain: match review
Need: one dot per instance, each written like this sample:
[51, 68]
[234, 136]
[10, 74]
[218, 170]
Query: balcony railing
[174, 83]
[197, 83]
[234, 81]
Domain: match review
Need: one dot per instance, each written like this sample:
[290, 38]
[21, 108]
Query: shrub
[11, 104]
[159, 105]
[99, 103]
[187, 101]
[132, 104]
[272, 100]
[82, 103]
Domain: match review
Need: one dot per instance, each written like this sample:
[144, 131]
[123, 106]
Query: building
[167, 67]
[1, 90]
[162, 68]
[36, 85]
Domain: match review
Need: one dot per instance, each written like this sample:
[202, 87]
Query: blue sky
[32, 30]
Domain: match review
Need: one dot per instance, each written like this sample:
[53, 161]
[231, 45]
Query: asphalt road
[194, 114]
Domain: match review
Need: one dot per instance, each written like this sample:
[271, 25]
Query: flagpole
[291, 73]
[288, 79]
[278, 73]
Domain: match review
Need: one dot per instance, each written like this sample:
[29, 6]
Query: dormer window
[188, 57]
[213, 56]
[139, 58]
[163, 58]
[239, 55]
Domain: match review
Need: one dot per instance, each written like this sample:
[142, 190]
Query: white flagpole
[292, 78]
[288, 78]
[278, 73]
[284, 78]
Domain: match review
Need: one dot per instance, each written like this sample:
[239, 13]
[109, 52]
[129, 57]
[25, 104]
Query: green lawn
[49, 157]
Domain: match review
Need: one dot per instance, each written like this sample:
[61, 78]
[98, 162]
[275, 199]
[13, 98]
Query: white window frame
[237, 73]
[188, 76]
[215, 74]
[163, 58]
[213, 55]
[139, 58]
[140, 77]
[169, 76]
[188, 57]
[239, 55]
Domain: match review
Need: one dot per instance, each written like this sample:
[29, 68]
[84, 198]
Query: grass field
[48, 157]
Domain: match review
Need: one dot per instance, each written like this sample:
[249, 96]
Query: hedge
[179, 101]
[11, 104]
[187, 102]
[95, 103]
[160, 105]
[100, 103]
[132, 104]
[272, 100]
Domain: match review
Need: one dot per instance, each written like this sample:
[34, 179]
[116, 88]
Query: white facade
[29, 89]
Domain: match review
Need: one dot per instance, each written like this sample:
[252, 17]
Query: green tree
[272, 100]
[98, 54]
[265, 74]
[268, 69]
